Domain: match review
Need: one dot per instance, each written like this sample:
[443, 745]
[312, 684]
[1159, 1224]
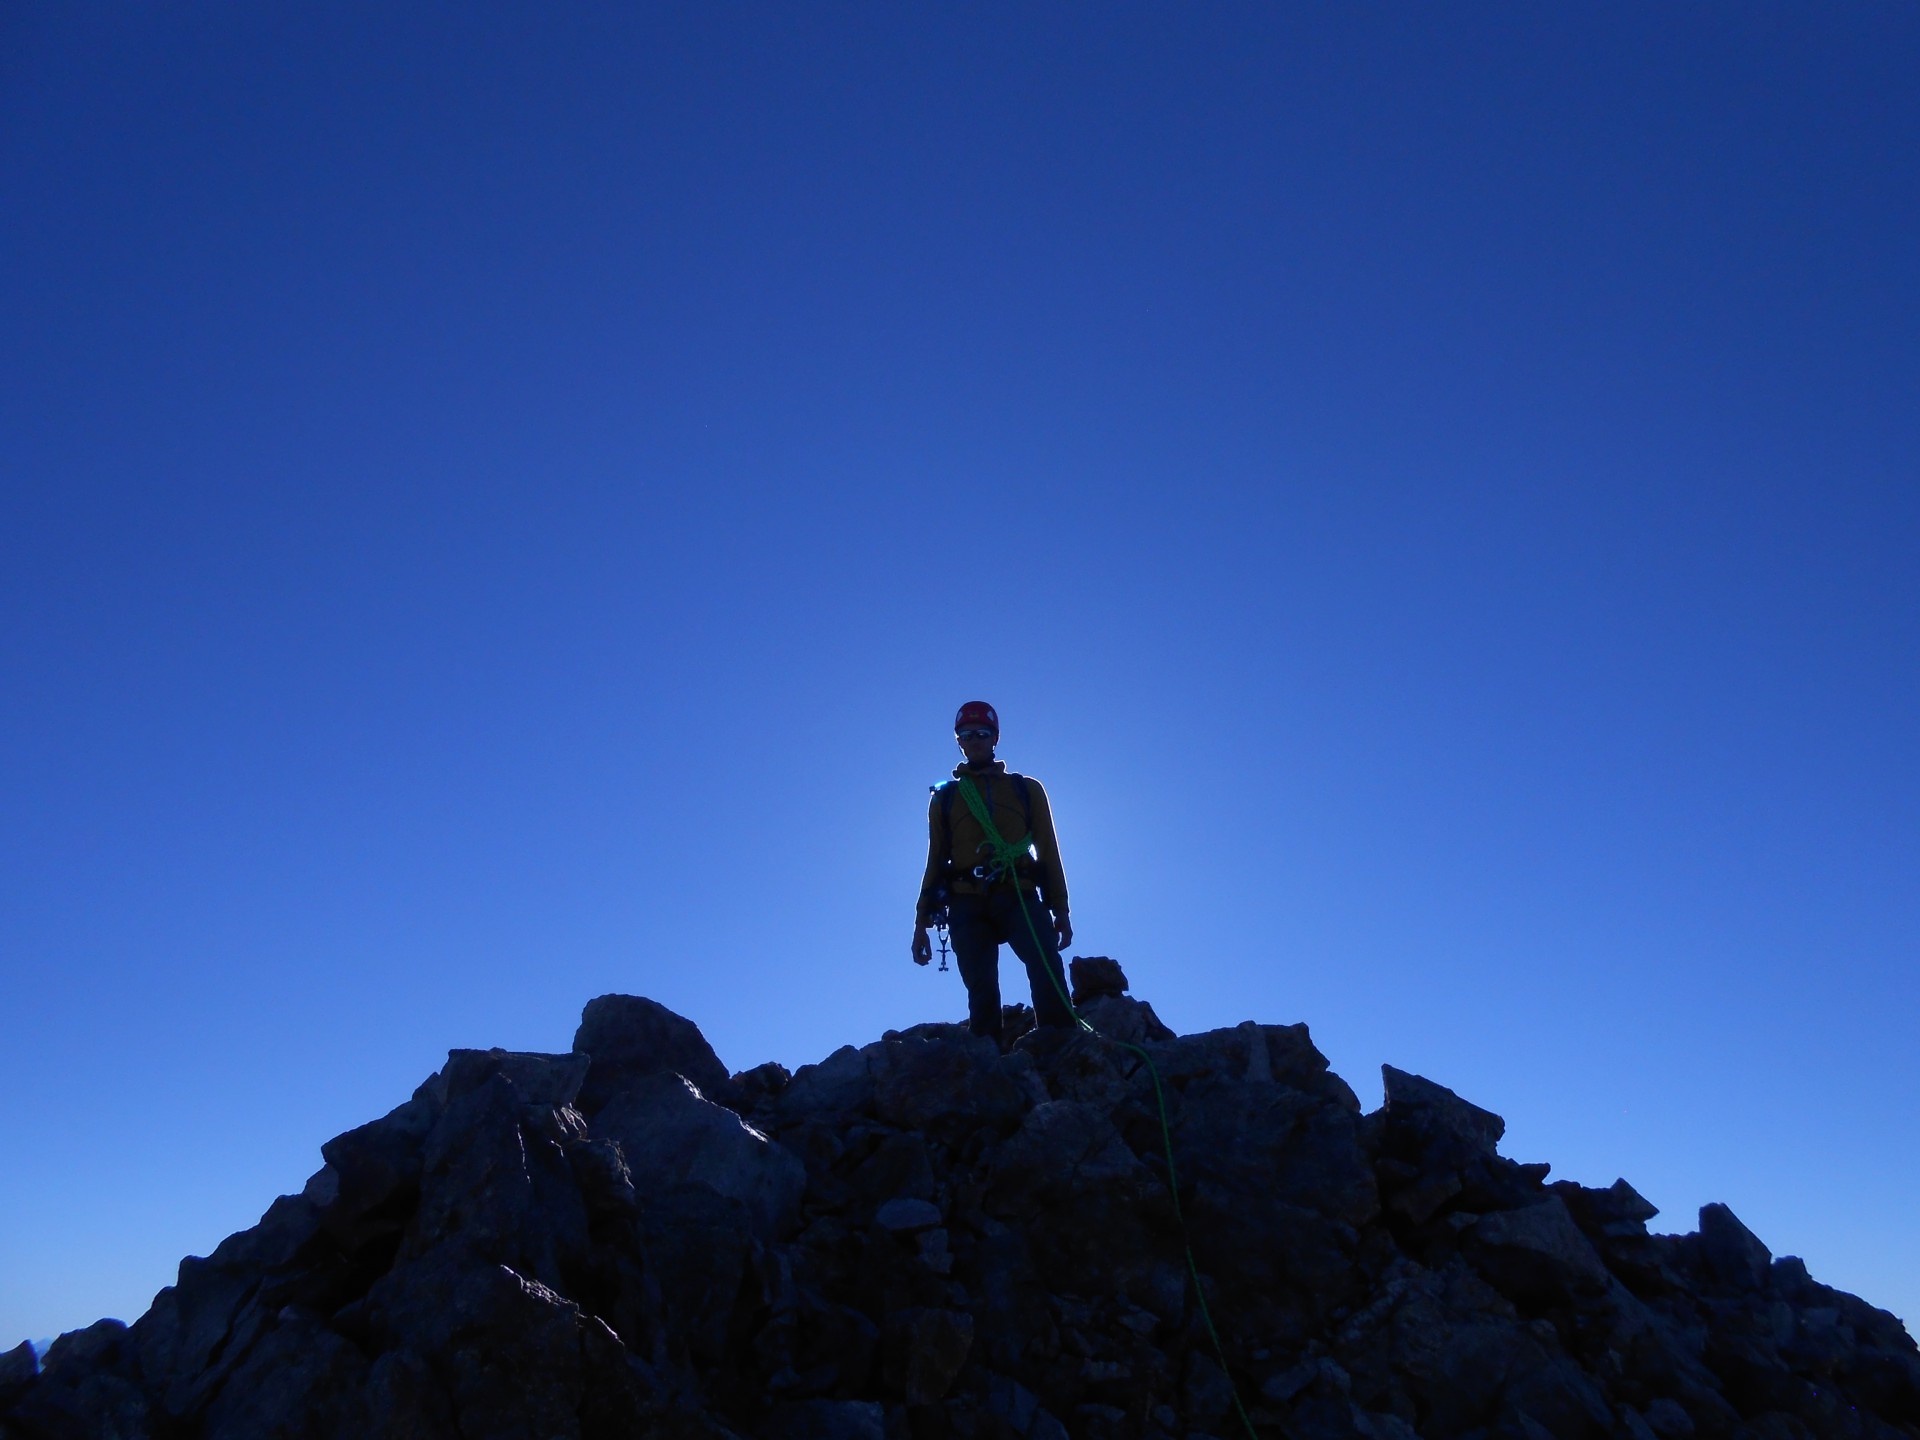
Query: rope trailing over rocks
[1005, 856]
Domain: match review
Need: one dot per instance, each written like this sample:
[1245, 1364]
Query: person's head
[976, 729]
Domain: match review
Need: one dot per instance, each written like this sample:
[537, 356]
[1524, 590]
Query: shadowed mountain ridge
[929, 1237]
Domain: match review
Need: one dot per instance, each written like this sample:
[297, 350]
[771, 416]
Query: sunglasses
[976, 735]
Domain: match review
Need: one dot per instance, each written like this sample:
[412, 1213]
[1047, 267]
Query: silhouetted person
[983, 901]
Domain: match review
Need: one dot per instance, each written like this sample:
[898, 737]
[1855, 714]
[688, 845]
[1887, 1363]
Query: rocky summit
[930, 1237]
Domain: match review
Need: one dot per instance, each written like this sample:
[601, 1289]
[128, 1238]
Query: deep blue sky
[500, 504]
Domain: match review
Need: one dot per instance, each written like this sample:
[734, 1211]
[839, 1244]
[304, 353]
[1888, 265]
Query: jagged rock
[1732, 1252]
[1274, 1141]
[1617, 1213]
[605, 1180]
[19, 1368]
[1092, 976]
[759, 1087]
[930, 1083]
[925, 1238]
[301, 1380]
[501, 1188]
[507, 1356]
[1121, 1017]
[1063, 1151]
[88, 1385]
[1438, 1151]
[201, 1326]
[1536, 1253]
[669, 1135]
[841, 1084]
[371, 1179]
[545, 1081]
[629, 1038]
[1432, 1113]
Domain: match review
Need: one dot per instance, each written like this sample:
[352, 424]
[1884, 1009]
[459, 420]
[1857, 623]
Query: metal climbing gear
[938, 919]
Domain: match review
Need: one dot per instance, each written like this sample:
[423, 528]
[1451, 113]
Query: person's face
[976, 744]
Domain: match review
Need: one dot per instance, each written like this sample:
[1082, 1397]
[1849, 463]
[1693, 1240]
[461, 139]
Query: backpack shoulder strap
[1026, 800]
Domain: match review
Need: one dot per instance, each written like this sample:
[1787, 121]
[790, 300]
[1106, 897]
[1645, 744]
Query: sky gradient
[499, 503]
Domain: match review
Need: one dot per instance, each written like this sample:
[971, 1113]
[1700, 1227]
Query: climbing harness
[1021, 787]
[989, 874]
[1005, 856]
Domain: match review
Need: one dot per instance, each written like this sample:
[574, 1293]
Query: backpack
[951, 788]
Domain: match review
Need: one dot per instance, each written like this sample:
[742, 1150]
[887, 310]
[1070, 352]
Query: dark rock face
[926, 1238]
[628, 1037]
[1092, 976]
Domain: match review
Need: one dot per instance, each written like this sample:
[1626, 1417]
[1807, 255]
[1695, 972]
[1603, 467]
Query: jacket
[956, 843]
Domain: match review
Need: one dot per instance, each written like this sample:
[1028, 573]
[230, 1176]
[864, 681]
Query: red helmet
[976, 715]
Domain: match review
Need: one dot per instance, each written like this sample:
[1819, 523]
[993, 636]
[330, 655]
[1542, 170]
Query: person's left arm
[1053, 875]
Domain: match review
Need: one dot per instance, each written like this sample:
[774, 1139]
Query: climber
[983, 906]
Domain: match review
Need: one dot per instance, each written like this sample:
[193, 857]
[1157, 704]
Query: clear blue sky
[501, 502]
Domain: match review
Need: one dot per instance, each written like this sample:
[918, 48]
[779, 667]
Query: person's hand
[1064, 929]
[922, 946]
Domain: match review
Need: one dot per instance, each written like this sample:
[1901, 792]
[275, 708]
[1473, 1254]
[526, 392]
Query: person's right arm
[929, 882]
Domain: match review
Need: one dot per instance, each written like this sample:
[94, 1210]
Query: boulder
[1617, 1212]
[1433, 1114]
[935, 1084]
[629, 1038]
[501, 1189]
[840, 1085]
[1436, 1150]
[1092, 976]
[1064, 1151]
[1732, 1253]
[1122, 1018]
[1270, 1141]
[670, 1135]
[1535, 1254]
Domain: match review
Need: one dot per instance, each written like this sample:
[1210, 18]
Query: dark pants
[979, 924]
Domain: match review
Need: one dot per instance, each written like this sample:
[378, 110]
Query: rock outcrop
[927, 1237]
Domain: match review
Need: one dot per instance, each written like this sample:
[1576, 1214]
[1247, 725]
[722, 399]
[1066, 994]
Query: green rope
[1005, 857]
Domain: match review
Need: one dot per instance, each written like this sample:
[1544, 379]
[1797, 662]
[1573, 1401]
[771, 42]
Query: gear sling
[946, 793]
